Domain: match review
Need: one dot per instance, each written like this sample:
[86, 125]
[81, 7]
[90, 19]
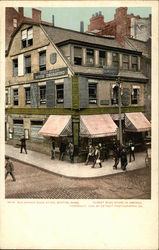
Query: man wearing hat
[9, 168]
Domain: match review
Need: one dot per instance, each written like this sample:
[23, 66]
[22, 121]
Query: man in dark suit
[9, 168]
[23, 144]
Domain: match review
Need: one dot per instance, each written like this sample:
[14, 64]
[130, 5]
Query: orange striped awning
[93, 126]
[57, 125]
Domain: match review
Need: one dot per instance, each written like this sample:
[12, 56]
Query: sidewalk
[65, 168]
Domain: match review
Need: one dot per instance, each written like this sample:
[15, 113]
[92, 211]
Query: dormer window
[77, 56]
[125, 62]
[27, 37]
[90, 57]
[115, 60]
[134, 63]
[102, 58]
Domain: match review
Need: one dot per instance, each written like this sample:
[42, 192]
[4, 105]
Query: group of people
[63, 148]
[95, 154]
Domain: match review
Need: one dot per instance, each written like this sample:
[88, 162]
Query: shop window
[125, 62]
[134, 63]
[135, 96]
[42, 61]
[93, 93]
[115, 91]
[27, 37]
[27, 95]
[115, 59]
[15, 67]
[90, 57]
[60, 93]
[15, 96]
[42, 94]
[27, 64]
[15, 23]
[77, 56]
[102, 58]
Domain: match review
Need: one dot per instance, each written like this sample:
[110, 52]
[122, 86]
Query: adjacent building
[65, 84]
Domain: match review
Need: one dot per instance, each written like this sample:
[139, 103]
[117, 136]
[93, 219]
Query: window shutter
[24, 34]
[50, 94]
[67, 93]
[83, 90]
[21, 65]
[30, 34]
[34, 95]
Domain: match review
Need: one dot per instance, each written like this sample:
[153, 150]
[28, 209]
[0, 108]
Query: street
[32, 182]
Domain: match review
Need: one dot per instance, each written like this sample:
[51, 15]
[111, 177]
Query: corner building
[63, 84]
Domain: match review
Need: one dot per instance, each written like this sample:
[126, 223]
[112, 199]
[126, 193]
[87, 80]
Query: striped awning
[136, 122]
[57, 125]
[93, 126]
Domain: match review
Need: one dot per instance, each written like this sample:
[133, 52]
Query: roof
[132, 74]
[138, 45]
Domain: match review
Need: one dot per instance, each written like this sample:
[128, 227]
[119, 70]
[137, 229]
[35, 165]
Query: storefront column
[75, 135]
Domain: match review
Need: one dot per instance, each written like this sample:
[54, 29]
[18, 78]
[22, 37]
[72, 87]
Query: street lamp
[119, 105]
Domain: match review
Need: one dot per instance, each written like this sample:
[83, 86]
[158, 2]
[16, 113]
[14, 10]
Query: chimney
[21, 11]
[53, 21]
[82, 27]
[36, 15]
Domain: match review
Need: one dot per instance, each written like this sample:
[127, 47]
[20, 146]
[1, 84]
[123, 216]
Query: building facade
[62, 83]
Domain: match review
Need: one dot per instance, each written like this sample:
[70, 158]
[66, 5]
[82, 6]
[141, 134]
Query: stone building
[64, 84]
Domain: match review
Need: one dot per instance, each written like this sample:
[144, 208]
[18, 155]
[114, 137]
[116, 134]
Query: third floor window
[77, 56]
[27, 37]
[102, 58]
[15, 67]
[27, 64]
[90, 57]
[134, 63]
[115, 59]
[42, 61]
[125, 62]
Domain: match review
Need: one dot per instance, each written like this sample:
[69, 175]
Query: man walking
[97, 157]
[71, 151]
[116, 153]
[90, 154]
[23, 144]
[52, 149]
[62, 150]
[131, 151]
[9, 168]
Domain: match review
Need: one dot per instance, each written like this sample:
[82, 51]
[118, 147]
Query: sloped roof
[138, 45]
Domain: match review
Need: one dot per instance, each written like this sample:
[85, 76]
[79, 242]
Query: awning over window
[57, 125]
[93, 126]
[136, 122]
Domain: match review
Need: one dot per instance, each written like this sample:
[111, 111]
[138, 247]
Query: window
[15, 67]
[27, 64]
[77, 56]
[42, 94]
[115, 95]
[134, 63]
[115, 59]
[27, 95]
[14, 22]
[15, 96]
[125, 62]
[92, 93]
[60, 93]
[135, 96]
[42, 61]
[102, 58]
[27, 37]
[90, 57]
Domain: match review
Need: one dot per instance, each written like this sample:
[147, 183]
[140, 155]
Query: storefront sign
[104, 102]
[50, 73]
[110, 70]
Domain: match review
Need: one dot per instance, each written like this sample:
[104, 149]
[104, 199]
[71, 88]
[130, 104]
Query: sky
[70, 18]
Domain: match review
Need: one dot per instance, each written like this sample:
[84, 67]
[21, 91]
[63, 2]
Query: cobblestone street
[37, 184]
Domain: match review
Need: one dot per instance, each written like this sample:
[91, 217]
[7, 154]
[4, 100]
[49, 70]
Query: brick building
[62, 83]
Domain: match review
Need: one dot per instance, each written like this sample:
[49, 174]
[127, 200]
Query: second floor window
[135, 96]
[15, 67]
[93, 93]
[102, 58]
[134, 63]
[115, 60]
[27, 64]
[125, 62]
[42, 61]
[90, 57]
[27, 37]
[60, 93]
[77, 56]
[115, 95]
[15, 96]
[42, 94]
[27, 95]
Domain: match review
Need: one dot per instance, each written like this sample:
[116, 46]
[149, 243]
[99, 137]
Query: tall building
[62, 83]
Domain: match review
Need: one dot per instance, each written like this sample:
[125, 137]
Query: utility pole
[119, 105]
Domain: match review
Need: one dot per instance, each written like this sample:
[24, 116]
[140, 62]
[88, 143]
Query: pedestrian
[123, 156]
[52, 149]
[71, 151]
[97, 157]
[62, 150]
[116, 154]
[9, 168]
[101, 149]
[131, 151]
[90, 154]
[23, 144]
